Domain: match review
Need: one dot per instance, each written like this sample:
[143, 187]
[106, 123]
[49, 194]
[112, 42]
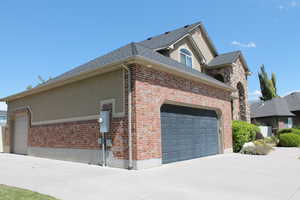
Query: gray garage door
[188, 133]
[20, 134]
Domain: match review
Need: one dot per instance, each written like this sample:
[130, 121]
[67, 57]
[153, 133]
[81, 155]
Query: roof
[2, 113]
[293, 101]
[226, 59]
[132, 50]
[170, 37]
[274, 107]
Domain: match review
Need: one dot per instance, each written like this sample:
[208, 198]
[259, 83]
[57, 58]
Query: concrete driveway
[230, 176]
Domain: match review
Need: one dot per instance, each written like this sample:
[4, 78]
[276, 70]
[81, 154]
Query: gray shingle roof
[131, 50]
[227, 58]
[170, 37]
[293, 101]
[223, 59]
[275, 107]
[146, 50]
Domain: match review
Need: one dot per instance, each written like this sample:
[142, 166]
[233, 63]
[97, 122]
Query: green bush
[289, 130]
[289, 140]
[297, 127]
[273, 140]
[262, 148]
[243, 132]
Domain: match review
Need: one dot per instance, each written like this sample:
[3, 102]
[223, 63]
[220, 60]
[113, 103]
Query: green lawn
[12, 193]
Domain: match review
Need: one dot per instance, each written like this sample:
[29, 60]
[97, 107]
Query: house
[279, 112]
[3, 117]
[172, 97]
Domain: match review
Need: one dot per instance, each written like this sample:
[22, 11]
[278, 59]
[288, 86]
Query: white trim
[73, 119]
[113, 102]
[182, 52]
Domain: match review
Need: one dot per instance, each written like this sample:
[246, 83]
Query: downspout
[130, 162]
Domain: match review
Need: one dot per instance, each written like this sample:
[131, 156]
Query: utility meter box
[104, 120]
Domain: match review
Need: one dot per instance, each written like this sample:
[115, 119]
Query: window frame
[188, 57]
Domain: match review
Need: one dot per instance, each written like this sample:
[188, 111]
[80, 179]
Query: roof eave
[59, 83]
[255, 117]
[105, 69]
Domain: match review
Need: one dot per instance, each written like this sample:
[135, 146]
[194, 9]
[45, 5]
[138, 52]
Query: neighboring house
[172, 98]
[280, 112]
[3, 117]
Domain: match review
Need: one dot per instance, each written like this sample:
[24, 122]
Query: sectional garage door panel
[20, 135]
[188, 133]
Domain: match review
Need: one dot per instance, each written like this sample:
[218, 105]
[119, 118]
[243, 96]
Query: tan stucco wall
[78, 99]
[175, 53]
[202, 44]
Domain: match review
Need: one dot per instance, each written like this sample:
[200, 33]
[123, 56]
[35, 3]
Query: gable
[186, 44]
[197, 44]
[203, 45]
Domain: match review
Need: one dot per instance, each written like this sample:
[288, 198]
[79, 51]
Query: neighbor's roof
[226, 59]
[2, 113]
[132, 50]
[274, 107]
[170, 37]
[293, 101]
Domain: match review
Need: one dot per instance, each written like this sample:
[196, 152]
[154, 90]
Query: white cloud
[246, 45]
[289, 5]
[3, 106]
[254, 95]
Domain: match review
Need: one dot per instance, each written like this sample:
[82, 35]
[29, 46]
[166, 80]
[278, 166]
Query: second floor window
[186, 57]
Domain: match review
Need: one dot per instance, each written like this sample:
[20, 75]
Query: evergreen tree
[267, 86]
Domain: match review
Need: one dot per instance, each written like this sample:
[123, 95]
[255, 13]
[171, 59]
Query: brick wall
[152, 89]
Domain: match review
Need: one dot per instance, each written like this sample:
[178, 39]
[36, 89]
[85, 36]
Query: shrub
[243, 132]
[259, 136]
[289, 130]
[297, 127]
[272, 141]
[258, 147]
[289, 140]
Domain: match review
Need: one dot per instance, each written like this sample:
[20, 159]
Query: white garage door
[20, 135]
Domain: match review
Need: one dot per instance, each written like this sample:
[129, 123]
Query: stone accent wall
[234, 74]
[153, 88]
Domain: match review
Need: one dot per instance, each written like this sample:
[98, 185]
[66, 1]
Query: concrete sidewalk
[226, 177]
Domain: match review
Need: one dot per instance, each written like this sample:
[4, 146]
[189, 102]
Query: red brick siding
[152, 89]
[80, 135]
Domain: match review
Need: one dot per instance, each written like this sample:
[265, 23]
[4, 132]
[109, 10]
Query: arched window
[219, 77]
[186, 57]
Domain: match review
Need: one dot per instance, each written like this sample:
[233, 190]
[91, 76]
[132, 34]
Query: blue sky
[47, 38]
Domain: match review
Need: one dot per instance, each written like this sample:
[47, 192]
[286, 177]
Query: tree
[29, 87]
[41, 81]
[267, 86]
